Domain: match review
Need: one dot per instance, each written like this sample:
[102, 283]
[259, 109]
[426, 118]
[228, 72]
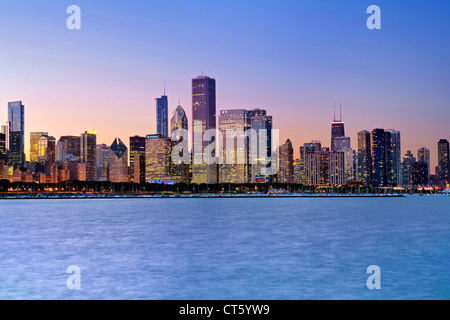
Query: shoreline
[197, 196]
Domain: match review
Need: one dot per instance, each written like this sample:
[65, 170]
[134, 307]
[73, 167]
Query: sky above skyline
[292, 58]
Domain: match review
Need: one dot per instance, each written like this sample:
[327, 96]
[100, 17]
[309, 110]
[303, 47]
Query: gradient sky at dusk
[293, 58]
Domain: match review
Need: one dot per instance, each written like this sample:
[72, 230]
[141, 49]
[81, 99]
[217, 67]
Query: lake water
[294, 248]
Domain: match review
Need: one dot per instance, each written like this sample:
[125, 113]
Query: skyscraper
[158, 163]
[234, 164]
[178, 121]
[103, 153]
[423, 155]
[443, 159]
[203, 119]
[262, 124]
[34, 138]
[393, 158]
[337, 129]
[378, 151]
[46, 149]
[16, 119]
[88, 148]
[286, 163]
[162, 111]
[118, 161]
[418, 174]
[408, 160]
[5, 131]
[137, 146]
[73, 147]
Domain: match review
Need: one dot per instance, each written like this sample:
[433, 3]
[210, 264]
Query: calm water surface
[226, 248]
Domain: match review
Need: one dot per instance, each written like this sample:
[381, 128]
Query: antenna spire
[334, 119]
[340, 109]
[164, 88]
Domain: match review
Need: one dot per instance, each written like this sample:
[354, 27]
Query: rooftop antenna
[164, 88]
[334, 111]
[340, 109]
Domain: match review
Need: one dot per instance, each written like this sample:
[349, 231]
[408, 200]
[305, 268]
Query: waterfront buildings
[443, 159]
[118, 161]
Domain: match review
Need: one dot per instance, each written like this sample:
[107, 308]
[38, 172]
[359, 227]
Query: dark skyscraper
[364, 157]
[393, 158]
[16, 114]
[203, 119]
[418, 174]
[337, 129]
[443, 159]
[378, 144]
[162, 110]
[137, 146]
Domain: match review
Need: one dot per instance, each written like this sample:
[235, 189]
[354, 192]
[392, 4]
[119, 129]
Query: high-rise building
[341, 143]
[73, 147]
[262, 124]
[88, 150]
[418, 174]
[423, 155]
[393, 158]
[203, 119]
[286, 163]
[34, 138]
[234, 160]
[137, 146]
[337, 129]
[162, 111]
[408, 160]
[118, 162]
[46, 149]
[158, 162]
[3, 147]
[16, 119]
[179, 121]
[103, 153]
[307, 148]
[61, 152]
[378, 152]
[139, 168]
[324, 168]
[5, 131]
[443, 159]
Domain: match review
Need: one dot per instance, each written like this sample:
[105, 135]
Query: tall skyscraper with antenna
[337, 127]
[162, 110]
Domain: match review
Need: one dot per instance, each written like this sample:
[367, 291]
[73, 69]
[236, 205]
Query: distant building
[423, 155]
[118, 162]
[179, 121]
[408, 160]
[443, 159]
[73, 147]
[337, 130]
[162, 110]
[103, 154]
[88, 147]
[137, 147]
[3, 147]
[158, 163]
[139, 168]
[34, 144]
[203, 119]
[418, 174]
[16, 120]
[234, 161]
[286, 163]
[262, 124]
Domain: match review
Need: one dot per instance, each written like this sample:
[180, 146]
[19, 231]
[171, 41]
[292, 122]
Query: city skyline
[63, 76]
